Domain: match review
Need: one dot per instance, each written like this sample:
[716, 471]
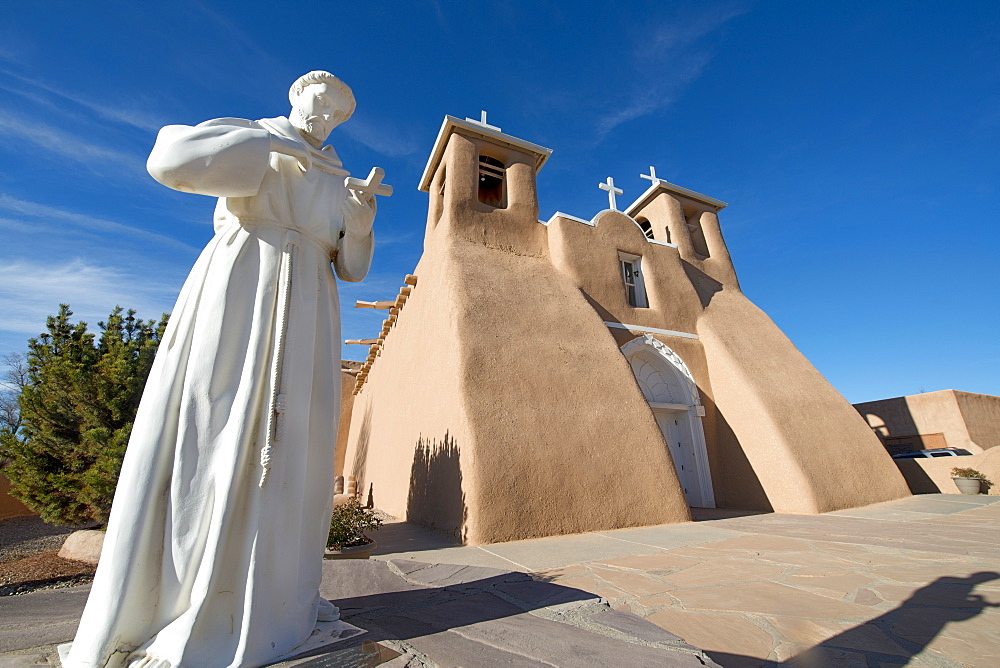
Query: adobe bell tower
[482, 188]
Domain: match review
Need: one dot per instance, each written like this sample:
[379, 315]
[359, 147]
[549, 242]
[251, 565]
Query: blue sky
[856, 143]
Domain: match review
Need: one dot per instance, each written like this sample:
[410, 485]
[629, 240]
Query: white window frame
[627, 262]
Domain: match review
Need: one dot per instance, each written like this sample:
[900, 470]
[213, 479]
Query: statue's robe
[202, 564]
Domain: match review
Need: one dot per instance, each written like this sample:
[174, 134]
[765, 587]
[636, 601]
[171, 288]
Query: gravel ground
[29, 558]
[27, 536]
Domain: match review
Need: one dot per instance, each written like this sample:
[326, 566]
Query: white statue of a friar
[213, 553]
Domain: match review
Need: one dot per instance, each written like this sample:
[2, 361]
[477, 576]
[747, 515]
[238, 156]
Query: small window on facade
[635, 288]
[491, 173]
[666, 232]
[647, 228]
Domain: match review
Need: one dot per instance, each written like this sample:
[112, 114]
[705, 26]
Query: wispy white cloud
[381, 138]
[32, 89]
[52, 214]
[9, 54]
[61, 143]
[666, 60]
[401, 239]
[31, 290]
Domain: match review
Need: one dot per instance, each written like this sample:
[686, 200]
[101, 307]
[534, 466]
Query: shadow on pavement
[395, 537]
[898, 635]
[472, 615]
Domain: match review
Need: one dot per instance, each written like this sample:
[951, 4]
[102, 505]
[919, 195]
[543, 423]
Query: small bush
[960, 472]
[349, 524]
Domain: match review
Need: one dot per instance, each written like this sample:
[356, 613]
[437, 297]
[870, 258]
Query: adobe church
[550, 377]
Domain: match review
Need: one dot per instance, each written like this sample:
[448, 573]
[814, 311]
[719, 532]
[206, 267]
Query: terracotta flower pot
[968, 485]
[351, 552]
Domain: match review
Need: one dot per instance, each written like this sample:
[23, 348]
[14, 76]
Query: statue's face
[318, 110]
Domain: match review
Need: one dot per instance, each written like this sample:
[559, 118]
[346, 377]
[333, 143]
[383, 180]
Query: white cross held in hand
[612, 191]
[372, 185]
[651, 176]
[482, 121]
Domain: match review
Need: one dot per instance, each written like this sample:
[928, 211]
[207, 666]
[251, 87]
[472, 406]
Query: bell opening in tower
[491, 186]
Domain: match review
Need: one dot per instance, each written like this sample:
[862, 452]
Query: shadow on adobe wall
[704, 285]
[601, 311]
[892, 422]
[436, 499]
[890, 419]
[364, 436]
[738, 488]
[916, 477]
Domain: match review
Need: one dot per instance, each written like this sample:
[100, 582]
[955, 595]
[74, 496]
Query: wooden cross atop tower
[482, 121]
[651, 176]
[609, 185]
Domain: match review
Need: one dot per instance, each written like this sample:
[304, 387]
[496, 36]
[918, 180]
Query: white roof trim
[659, 185]
[650, 330]
[450, 124]
[661, 243]
[560, 214]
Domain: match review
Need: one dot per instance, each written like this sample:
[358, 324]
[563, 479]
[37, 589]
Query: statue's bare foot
[328, 612]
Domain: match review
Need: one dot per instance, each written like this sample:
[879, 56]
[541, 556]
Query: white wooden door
[677, 434]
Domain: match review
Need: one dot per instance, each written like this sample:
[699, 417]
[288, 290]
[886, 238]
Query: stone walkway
[913, 582]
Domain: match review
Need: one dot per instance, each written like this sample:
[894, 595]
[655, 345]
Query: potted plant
[969, 481]
[347, 539]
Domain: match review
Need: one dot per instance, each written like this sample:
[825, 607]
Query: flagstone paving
[913, 582]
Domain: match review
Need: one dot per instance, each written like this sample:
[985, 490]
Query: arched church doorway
[673, 398]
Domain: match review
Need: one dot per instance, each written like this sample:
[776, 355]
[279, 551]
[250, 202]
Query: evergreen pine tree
[77, 409]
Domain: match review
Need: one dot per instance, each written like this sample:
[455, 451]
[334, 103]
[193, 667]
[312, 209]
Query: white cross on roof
[482, 121]
[609, 185]
[651, 176]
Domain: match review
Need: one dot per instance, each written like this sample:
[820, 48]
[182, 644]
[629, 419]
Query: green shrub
[77, 406]
[959, 472]
[349, 523]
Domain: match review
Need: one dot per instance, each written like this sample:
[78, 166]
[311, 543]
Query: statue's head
[320, 102]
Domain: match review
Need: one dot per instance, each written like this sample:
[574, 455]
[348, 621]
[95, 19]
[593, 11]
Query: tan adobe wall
[9, 506]
[348, 373]
[588, 256]
[981, 414]
[966, 420]
[807, 446]
[933, 475]
[498, 352]
[409, 435]
[779, 437]
[561, 450]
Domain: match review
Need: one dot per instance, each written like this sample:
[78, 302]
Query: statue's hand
[359, 213]
[293, 149]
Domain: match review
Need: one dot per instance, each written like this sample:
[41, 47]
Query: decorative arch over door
[673, 398]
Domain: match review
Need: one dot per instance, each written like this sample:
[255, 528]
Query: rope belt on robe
[277, 404]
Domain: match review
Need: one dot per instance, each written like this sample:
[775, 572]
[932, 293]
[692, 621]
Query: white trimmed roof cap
[451, 124]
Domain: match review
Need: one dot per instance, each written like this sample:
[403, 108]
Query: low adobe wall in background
[9, 506]
[933, 475]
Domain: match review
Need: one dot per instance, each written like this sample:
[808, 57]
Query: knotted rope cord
[277, 405]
